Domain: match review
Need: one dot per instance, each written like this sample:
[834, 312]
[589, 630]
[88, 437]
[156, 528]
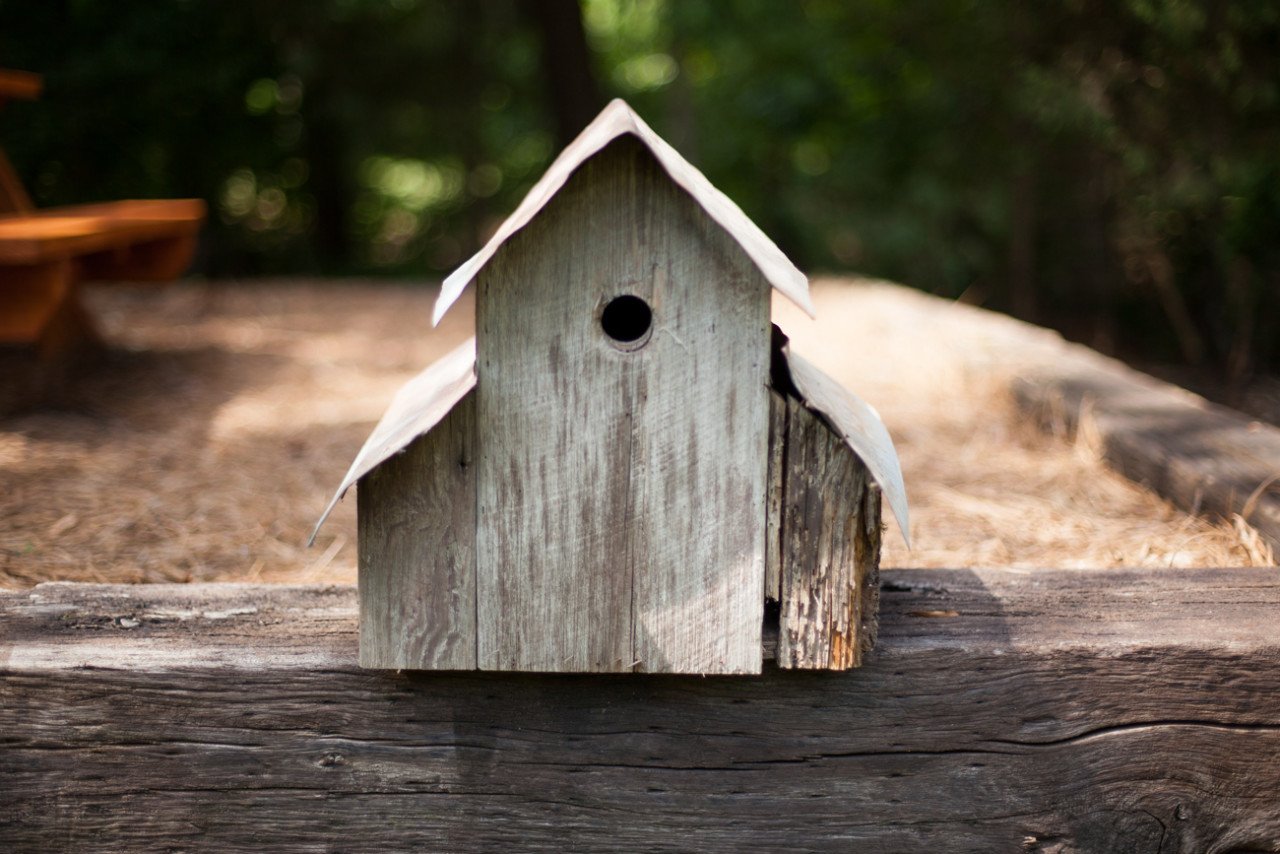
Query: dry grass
[204, 445]
[986, 487]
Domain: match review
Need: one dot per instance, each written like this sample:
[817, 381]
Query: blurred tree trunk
[1022, 246]
[330, 180]
[566, 61]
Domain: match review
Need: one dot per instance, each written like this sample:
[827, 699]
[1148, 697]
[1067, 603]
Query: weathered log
[1202, 457]
[1065, 710]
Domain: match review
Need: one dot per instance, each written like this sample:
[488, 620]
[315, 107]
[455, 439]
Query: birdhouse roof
[427, 398]
[419, 405]
[614, 121]
[859, 425]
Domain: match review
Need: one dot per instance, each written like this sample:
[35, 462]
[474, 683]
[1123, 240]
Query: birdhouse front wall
[621, 461]
[624, 463]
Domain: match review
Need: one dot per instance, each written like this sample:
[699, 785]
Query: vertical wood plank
[554, 419]
[826, 550]
[773, 514]
[867, 561]
[417, 551]
[621, 492]
[700, 458]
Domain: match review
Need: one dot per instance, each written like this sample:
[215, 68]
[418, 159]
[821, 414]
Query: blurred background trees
[1108, 168]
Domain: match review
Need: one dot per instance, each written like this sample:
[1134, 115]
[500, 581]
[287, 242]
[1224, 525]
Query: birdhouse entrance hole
[627, 320]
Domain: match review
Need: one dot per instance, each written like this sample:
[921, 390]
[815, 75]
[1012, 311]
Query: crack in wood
[1141, 726]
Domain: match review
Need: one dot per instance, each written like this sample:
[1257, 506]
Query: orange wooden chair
[45, 255]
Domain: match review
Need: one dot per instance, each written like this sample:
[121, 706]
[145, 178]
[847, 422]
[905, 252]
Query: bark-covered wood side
[867, 559]
[1058, 711]
[829, 557]
[621, 489]
[773, 500]
[417, 530]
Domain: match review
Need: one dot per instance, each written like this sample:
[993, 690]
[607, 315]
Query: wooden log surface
[1002, 710]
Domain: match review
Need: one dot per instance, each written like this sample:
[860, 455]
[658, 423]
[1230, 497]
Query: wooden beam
[22, 85]
[1064, 710]
[164, 229]
[1202, 457]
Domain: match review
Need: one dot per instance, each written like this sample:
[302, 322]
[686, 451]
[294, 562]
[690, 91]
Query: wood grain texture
[858, 423]
[417, 529]
[827, 556]
[1058, 711]
[866, 558]
[621, 490]
[1202, 457]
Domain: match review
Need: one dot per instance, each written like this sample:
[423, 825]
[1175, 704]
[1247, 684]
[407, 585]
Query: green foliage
[1110, 166]
[327, 135]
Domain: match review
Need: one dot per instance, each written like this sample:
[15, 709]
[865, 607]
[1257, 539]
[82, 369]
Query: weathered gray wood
[773, 502]
[866, 558]
[621, 491]
[827, 556]
[417, 530]
[700, 442]
[1057, 711]
[418, 406]
[1202, 457]
[618, 121]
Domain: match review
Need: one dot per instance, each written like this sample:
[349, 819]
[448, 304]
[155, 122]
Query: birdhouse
[625, 463]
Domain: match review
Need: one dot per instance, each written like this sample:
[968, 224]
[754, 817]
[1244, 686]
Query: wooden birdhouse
[626, 462]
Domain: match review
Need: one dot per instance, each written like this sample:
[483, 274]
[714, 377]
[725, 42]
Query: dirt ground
[204, 443]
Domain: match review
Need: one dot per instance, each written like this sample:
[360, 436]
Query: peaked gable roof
[614, 121]
[425, 400]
